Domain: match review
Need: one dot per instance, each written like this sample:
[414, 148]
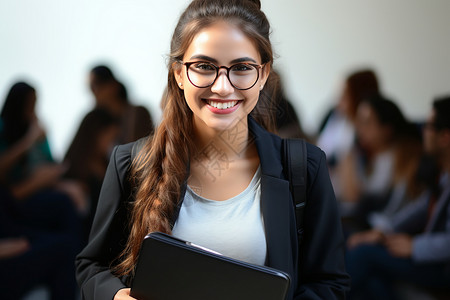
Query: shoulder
[123, 155]
[315, 157]
[270, 148]
[121, 159]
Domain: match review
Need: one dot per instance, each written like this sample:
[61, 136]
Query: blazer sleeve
[109, 232]
[433, 246]
[412, 219]
[322, 272]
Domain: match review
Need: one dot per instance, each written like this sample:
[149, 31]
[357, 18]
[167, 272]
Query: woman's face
[372, 135]
[103, 91]
[223, 45]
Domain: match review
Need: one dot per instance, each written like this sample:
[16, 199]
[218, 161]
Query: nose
[222, 86]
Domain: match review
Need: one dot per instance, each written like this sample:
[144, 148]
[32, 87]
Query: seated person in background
[412, 181]
[112, 95]
[37, 208]
[371, 170]
[337, 131]
[27, 168]
[417, 250]
[88, 156]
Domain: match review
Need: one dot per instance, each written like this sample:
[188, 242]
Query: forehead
[222, 42]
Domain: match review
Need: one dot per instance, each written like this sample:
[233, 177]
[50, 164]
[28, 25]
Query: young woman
[379, 171]
[38, 210]
[211, 173]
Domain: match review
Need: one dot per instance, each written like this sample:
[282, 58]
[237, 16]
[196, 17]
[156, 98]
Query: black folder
[170, 268]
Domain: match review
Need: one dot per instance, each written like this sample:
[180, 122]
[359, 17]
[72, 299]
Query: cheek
[251, 98]
[192, 96]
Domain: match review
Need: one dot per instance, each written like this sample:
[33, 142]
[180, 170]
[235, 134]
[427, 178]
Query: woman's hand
[43, 176]
[366, 237]
[13, 247]
[400, 245]
[123, 294]
[35, 132]
[76, 192]
[13, 153]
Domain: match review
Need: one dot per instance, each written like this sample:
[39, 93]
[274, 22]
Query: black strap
[294, 159]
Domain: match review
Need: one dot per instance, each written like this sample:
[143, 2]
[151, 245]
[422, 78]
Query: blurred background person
[417, 249]
[337, 130]
[112, 95]
[376, 164]
[413, 174]
[88, 156]
[39, 210]
[406, 193]
[27, 168]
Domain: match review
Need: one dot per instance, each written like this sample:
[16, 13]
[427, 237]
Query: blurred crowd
[47, 207]
[390, 175]
[391, 179]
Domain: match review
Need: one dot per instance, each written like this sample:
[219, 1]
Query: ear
[265, 72]
[177, 72]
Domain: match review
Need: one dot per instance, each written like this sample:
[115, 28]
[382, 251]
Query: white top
[337, 137]
[233, 227]
[380, 180]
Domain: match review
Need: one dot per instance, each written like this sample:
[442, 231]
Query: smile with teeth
[222, 104]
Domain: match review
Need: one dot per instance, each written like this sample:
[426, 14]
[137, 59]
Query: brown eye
[242, 68]
[203, 67]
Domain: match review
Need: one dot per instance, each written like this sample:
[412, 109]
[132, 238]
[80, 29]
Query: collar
[269, 149]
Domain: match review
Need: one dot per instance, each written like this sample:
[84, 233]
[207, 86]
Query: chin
[222, 124]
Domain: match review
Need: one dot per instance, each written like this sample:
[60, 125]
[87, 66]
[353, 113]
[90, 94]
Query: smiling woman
[212, 173]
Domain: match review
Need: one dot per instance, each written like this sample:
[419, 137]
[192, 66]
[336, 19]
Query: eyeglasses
[242, 76]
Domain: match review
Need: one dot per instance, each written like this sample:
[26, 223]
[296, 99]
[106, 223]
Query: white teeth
[222, 105]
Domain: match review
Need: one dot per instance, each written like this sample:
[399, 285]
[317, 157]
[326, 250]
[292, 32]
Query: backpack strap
[295, 164]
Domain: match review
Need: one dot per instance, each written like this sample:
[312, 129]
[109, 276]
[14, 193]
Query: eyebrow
[234, 61]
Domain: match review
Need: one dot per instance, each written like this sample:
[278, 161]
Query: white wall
[52, 44]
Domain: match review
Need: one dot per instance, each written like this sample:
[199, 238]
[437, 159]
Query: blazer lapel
[275, 204]
[276, 201]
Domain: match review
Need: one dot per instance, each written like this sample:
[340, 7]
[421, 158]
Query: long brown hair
[161, 168]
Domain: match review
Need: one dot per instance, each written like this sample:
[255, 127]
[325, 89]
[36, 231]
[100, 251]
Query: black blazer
[322, 269]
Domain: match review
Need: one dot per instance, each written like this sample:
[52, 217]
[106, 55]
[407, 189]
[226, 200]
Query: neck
[232, 143]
